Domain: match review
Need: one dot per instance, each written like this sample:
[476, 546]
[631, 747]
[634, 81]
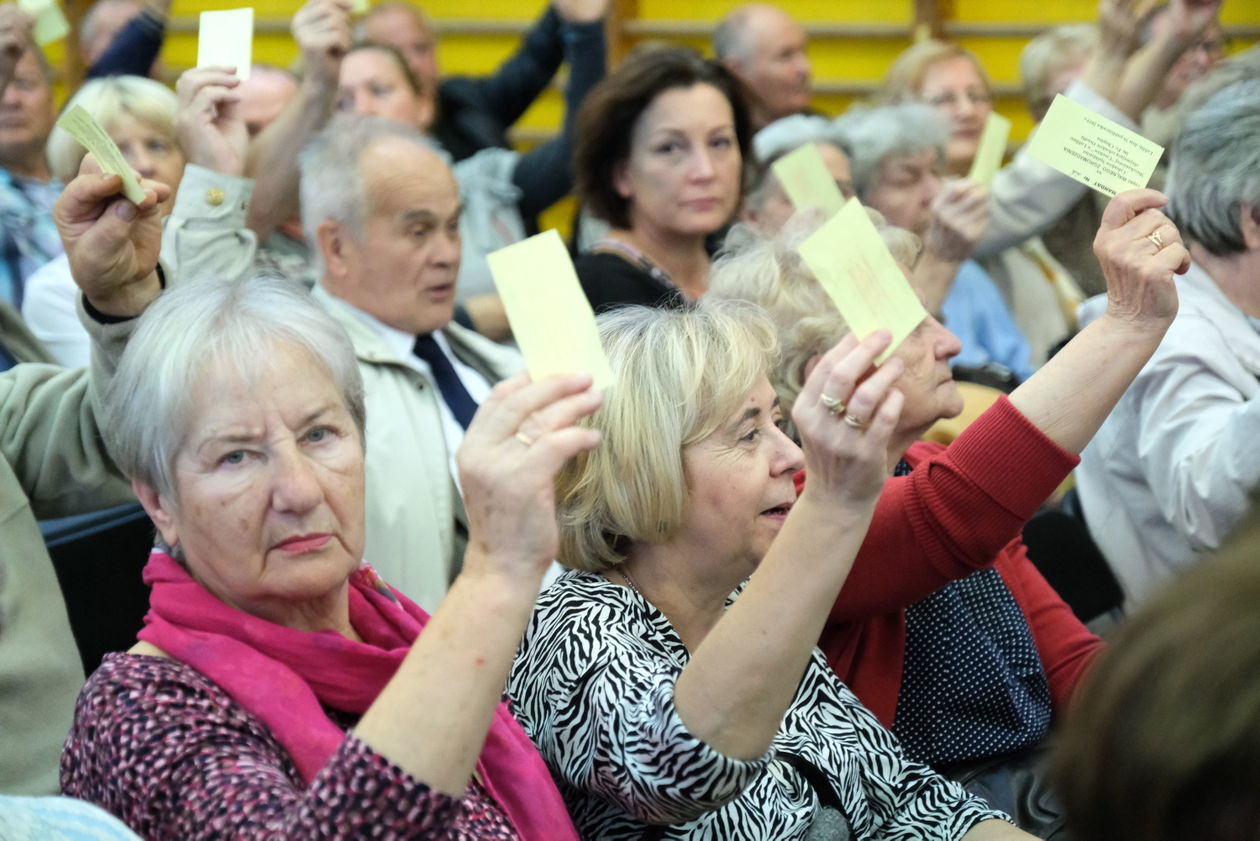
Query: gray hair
[731, 37]
[878, 133]
[145, 413]
[1216, 168]
[1048, 52]
[110, 99]
[331, 180]
[768, 271]
[787, 135]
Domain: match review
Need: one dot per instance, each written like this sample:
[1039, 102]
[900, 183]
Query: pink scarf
[282, 676]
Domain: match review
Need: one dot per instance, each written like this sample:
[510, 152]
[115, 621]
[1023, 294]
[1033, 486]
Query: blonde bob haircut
[905, 75]
[109, 100]
[680, 375]
[768, 272]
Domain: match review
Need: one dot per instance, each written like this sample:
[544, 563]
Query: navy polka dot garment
[972, 685]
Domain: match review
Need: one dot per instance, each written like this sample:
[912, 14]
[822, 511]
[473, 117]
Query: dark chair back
[1060, 546]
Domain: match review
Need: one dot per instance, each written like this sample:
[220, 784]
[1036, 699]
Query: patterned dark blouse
[163, 748]
[593, 685]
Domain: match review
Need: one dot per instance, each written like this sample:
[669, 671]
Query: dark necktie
[457, 398]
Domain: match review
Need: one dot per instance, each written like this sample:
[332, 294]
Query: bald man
[765, 48]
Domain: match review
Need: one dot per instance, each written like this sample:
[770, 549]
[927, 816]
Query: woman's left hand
[845, 436]
[519, 439]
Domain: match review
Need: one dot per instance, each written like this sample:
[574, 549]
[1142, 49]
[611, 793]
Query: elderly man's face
[404, 30]
[402, 271]
[777, 70]
[26, 111]
[268, 507]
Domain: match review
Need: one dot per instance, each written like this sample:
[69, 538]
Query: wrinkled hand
[15, 38]
[1119, 33]
[322, 31]
[849, 463]
[111, 243]
[582, 11]
[1139, 271]
[519, 439]
[960, 215]
[1188, 19]
[209, 125]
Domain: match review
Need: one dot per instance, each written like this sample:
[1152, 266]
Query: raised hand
[582, 11]
[322, 31]
[15, 39]
[960, 215]
[1188, 19]
[519, 439]
[1140, 249]
[111, 243]
[846, 415]
[209, 124]
[1119, 33]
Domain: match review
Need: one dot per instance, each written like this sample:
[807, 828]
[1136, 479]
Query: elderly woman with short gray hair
[944, 629]
[1175, 467]
[280, 687]
[898, 159]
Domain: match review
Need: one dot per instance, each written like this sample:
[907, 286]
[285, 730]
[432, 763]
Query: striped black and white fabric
[593, 685]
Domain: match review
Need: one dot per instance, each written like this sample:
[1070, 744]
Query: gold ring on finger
[833, 405]
[523, 438]
[1156, 237]
[855, 422]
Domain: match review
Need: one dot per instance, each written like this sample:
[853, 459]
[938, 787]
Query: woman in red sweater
[944, 628]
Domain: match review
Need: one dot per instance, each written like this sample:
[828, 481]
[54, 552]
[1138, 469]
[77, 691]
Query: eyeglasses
[951, 99]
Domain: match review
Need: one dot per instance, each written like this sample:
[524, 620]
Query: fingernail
[125, 211]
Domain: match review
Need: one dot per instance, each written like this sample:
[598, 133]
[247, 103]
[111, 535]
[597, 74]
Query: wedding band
[523, 438]
[1156, 237]
[833, 405]
[854, 422]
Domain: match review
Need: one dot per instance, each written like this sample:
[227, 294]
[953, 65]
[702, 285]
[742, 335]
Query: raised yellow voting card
[851, 261]
[84, 128]
[807, 182]
[226, 39]
[551, 319]
[992, 148]
[50, 21]
[1095, 151]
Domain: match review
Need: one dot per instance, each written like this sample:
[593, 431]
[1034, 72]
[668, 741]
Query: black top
[610, 281]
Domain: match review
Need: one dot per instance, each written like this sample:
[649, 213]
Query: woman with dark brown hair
[659, 156]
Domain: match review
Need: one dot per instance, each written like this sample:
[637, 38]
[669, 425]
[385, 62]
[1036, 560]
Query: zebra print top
[593, 685]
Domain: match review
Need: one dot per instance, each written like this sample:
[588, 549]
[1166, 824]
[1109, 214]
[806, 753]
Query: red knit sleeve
[954, 513]
[1066, 646]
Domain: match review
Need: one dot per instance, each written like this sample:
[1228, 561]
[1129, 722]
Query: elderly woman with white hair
[1175, 467]
[944, 628]
[766, 206]
[898, 160]
[280, 687]
[670, 698]
[158, 132]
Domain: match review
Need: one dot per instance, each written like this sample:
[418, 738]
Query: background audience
[892, 573]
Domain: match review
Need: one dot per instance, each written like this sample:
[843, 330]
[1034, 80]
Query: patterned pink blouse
[163, 748]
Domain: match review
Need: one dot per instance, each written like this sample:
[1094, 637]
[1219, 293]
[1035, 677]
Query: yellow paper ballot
[807, 182]
[850, 260]
[361, 7]
[992, 147]
[84, 128]
[50, 22]
[550, 316]
[226, 39]
[1092, 149]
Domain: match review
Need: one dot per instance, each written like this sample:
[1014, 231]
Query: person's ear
[621, 180]
[1249, 225]
[158, 509]
[332, 241]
